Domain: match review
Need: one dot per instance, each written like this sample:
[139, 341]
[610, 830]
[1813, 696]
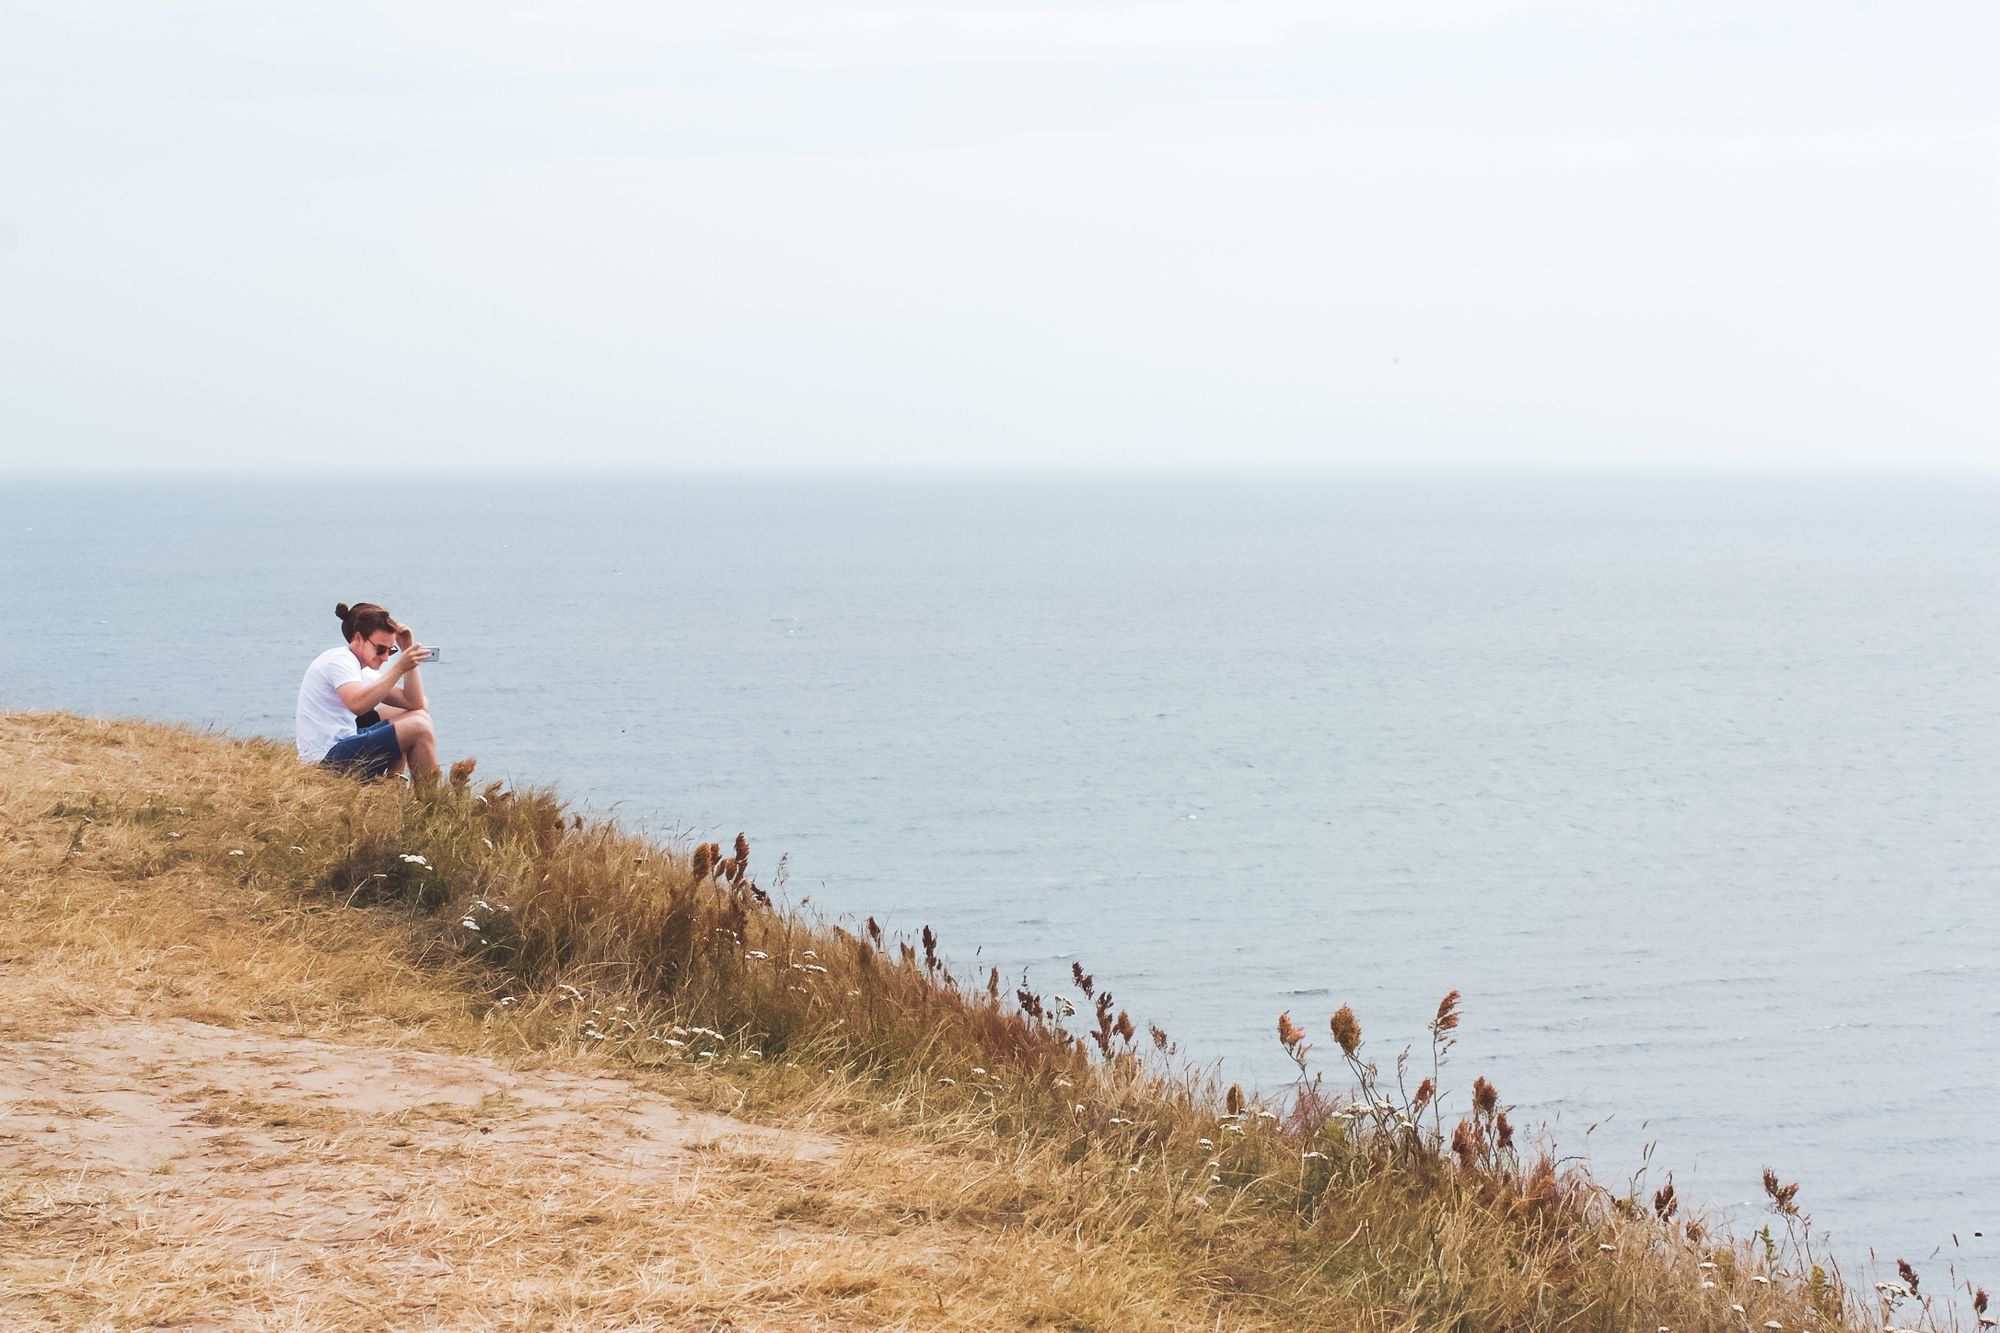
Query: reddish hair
[364, 618]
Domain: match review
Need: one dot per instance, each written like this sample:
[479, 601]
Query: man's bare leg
[418, 742]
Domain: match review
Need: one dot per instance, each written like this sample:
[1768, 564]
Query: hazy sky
[372, 235]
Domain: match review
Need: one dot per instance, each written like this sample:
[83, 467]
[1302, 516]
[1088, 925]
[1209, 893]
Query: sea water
[1688, 781]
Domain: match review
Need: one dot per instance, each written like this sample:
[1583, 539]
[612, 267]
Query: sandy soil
[281, 1155]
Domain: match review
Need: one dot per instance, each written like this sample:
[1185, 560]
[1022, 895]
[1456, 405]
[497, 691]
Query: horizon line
[136, 471]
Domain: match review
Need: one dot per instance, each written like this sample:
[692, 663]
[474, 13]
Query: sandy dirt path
[280, 1156]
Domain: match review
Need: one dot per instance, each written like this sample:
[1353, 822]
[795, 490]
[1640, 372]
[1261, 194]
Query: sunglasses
[383, 649]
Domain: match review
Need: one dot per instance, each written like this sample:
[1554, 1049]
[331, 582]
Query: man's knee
[413, 726]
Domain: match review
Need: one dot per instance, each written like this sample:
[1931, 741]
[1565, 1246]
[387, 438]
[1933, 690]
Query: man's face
[375, 649]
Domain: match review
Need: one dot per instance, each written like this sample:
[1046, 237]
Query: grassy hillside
[987, 1158]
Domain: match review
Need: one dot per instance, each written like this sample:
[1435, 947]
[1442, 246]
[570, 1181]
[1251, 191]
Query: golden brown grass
[994, 1162]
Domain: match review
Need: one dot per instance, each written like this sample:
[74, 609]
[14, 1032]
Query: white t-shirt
[322, 718]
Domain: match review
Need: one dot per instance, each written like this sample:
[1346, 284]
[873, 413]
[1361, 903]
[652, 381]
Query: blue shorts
[366, 754]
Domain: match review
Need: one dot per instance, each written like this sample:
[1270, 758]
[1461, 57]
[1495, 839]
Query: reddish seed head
[1664, 1202]
[1465, 1144]
[1541, 1188]
[875, 932]
[1425, 1091]
[1504, 1131]
[1124, 1027]
[1346, 1030]
[1289, 1035]
[1234, 1101]
[1485, 1097]
[1909, 1275]
[1159, 1035]
[1083, 980]
[1447, 1015]
[1979, 1301]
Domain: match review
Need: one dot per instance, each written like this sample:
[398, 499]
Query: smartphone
[436, 654]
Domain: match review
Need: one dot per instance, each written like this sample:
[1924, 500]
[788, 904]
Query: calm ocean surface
[1688, 781]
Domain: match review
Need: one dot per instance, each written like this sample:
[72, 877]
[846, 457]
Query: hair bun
[342, 610]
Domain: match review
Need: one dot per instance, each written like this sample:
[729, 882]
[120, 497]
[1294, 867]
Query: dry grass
[989, 1160]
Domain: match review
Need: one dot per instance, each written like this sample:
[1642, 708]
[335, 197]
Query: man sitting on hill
[375, 669]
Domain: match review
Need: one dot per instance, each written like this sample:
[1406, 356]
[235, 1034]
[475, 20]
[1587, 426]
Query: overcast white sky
[1256, 231]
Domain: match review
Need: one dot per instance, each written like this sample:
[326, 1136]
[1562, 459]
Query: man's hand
[404, 638]
[412, 657]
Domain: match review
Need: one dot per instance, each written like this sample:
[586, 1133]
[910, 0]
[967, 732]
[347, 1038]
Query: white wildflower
[1204, 1143]
[177, 836]
[300, 850]
[1199, 1202]
[1612, 1248]
[1064, 1083]
[757, 954]
[236, 851]
[977, 1070]
[488, 842]
[947, 1082]
[1309, 1156]
[1760, 1279]
[412, 858]
[1708, 1286]
[1120, 1120]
